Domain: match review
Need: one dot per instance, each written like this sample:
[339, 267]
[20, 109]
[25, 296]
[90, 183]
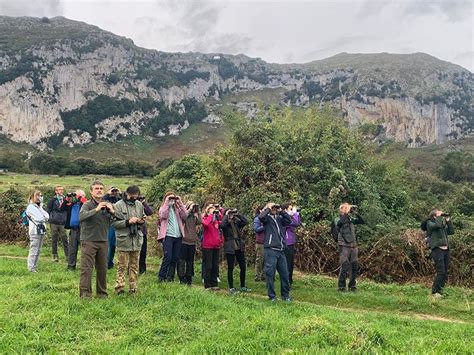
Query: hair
[32, 195]
[57, 187]
[167, 193]
[95, 183]
[285, 206]
[343, 205]
[80, 192]
[258, 209]
[432, 213]
[133, 189]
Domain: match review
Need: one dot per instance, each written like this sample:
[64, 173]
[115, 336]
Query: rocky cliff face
[66, 82]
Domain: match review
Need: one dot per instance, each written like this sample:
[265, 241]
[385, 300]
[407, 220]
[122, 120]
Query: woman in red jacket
[211, 243]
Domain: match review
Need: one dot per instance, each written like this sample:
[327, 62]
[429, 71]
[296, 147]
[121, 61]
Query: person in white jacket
[37, 218]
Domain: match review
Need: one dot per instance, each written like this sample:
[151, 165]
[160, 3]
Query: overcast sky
[277, 31]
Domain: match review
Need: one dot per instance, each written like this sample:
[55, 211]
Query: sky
[277, 31]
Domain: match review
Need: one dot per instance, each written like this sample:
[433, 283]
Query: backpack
[424, 228]
[334, 230]
[24, 219]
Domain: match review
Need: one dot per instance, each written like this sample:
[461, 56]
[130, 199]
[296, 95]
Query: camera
[141, 198]
[217, 205]
[134, 228]
[216, 212]
[353, 208]
[40, 228]
[445, 215]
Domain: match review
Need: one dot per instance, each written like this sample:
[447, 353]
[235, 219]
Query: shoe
[133, 292]
[437, 295]
[272, 299]
[353, 289]
[287, 299]
[233, 291]
[245, 289]
[141, 272]
[71, 268]
[218, 280]
[120, 292]
[32, 270]
[55, 259]
[342, 289]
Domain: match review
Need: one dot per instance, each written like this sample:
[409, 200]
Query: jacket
[290, 236]
[231, 244]
[438, 230]
[94, 224]
[191, 229]
[259, 230]
[346, 231]
[163, 214]
[148, 212]
[211, 238]
[275, 229]
[129, 236]
[72, 214]
[56, 214]
[36, 215]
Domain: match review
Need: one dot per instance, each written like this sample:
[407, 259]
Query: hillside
[65, 83]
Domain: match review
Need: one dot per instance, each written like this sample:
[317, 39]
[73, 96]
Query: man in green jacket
[438, 227]
[130, 219]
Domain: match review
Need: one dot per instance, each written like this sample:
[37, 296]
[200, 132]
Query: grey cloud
[38, 8]
[454, 10]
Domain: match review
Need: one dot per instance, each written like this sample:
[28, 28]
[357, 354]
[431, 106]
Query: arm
[264, 216]
[164, 211]
[86, 212]
[207, 220]
[434, 225]
[49, 206]
[242, 221]
[258, 226]
[343, 220]
[119, 222]
[450, 226]
[285, 219]
[224, 222]
[357, 220]
[182, 211]
[198, 218]
[295, 220]
[147, 209]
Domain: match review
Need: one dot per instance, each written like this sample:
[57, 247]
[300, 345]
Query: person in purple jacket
[148, 212]
[290, 237]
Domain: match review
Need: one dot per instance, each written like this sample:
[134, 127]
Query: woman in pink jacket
[211, 243]
[172, 215]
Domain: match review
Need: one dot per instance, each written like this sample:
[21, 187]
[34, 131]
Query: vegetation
[457, 166]
[173, 318]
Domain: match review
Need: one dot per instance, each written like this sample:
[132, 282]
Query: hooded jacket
[163, 214]
[231, 241]
[129, 236]
[275, 228]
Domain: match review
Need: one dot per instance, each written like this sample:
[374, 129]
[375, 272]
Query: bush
[12, 203]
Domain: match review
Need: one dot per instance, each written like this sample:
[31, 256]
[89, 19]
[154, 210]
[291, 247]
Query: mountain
[67, 83]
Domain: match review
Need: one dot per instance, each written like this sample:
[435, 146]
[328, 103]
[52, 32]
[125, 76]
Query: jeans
[290, 258]
[275, 260]
[111, 251]
[142, 260]
[240, 256]
[441, 261]
[210, 266]
[74, 242]
[171, 249]
[348, 260]
[36, 242]
[186, 263]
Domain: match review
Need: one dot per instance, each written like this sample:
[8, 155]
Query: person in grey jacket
[130, 219]
[275, 222]
[37, 218]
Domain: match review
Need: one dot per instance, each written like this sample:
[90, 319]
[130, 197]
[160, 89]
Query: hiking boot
[218, 280]
[272, 299]
[55, 258]
[341, 289]
[353, 289]
[120, 291]
[233, 291]
[436, 295]
[71, 268]
[133, 292]
[245, 289]
[288, 299]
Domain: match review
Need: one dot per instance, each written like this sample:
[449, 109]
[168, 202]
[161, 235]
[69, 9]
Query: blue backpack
[24, 219]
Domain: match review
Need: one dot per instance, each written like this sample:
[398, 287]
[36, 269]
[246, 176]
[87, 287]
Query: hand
[110, 207]
[133, 220]
[270, 205]
[439, 213]
[101, 205]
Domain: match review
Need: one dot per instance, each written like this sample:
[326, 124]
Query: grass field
[43, 313]
[29, 182]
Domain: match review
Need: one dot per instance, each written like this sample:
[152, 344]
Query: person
[439, 226]
[234, 247]
[275, 222]
[143, 251]
[290, 238]
[95, 217]
[172, 215]
[112, 196]
[37, 218]
[129, 219]
[211, 244]
[72, 205]
[192, 224]
[343, 231]
[259, 240]
[57, 220]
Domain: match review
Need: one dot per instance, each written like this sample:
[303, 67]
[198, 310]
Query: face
[132, 197]
[59, 191]
[97, 191]
[346, 208]
[210, 209]
[38, 198]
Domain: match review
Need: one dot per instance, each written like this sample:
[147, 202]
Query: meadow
[42, 313]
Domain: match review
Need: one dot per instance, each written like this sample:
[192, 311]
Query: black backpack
[334, 230]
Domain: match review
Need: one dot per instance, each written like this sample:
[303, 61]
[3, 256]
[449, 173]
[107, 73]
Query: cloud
[37, 8]
[466, 60]
[454, 10]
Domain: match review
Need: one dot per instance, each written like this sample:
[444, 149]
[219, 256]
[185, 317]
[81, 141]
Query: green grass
[42, 313]
[28, 182]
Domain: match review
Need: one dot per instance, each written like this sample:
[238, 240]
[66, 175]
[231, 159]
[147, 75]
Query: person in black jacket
[234, 247]
[275, 222]
[344, 231]
[57, 220]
